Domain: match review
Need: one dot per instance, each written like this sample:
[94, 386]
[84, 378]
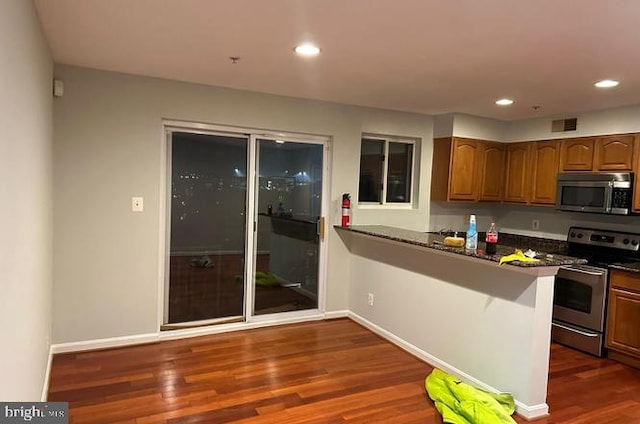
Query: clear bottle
[491, 239]
[472, 235]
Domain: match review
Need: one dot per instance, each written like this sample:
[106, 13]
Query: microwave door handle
[608, 196]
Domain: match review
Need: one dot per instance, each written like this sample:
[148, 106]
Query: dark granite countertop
[434, 241]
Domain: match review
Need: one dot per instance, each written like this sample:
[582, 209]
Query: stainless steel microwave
[596, 192]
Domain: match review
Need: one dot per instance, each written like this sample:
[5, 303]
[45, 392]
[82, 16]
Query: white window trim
[384, 204]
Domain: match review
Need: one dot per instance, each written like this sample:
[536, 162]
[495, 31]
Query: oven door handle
[575, 330]
[583, 271]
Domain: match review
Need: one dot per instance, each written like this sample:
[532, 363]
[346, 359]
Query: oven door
[584, 196]
[579, 296]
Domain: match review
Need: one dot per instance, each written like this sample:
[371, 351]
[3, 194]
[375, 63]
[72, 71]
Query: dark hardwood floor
[320, 372]
[217, 289]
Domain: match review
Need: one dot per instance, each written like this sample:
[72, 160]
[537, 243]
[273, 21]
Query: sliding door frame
[324, 210]
[252, 134]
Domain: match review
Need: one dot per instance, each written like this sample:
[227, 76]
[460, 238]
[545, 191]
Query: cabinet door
[623, 333]
[577, 154]
[546, 155]
[623, 316]
[614, 153]
[465, 156]
[516, 181]
[491, 171]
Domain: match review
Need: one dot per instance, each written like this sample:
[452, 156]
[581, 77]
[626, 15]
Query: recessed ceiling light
[606, 83]
[307, 49]
[504, 102]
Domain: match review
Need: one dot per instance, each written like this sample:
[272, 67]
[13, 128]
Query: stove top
[604, 247]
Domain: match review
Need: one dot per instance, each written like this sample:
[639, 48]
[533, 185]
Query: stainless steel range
[580, 295]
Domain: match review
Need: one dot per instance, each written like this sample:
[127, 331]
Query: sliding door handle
[320, 228]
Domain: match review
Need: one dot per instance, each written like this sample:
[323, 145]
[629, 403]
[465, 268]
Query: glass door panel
[208, 227]
[289, 205]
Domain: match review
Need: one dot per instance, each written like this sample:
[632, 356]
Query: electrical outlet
[535, 224]
[370, 299]
[137, 204]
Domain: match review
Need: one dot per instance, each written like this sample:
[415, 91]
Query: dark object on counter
[269, 209]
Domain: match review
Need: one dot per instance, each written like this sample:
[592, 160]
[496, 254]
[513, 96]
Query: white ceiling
[427, 56]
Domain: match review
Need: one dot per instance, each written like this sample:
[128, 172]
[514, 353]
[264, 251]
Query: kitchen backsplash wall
[455, 216]
[518, 219]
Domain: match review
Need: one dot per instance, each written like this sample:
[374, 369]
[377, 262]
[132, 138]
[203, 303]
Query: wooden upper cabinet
[491, 171]
[614, 153]
[545, 164]
[577, 154]
[465, 157]
[516, 173]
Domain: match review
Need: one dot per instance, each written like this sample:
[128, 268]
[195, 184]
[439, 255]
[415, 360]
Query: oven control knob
[573, 234]
[580, 235]
[634, 242]
[625, 241]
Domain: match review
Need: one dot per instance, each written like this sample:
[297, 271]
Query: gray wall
[611, 121]
[25, 217]
[108, 141]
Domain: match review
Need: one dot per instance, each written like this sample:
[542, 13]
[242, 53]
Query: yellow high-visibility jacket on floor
[461, 403]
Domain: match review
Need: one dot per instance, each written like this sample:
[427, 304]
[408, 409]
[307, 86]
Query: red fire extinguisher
[346, 209]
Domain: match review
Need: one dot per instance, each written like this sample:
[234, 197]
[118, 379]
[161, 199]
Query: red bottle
[491, 239]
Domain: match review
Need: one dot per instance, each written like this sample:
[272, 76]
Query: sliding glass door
[289, 204]
[244, 227]
[208, 227]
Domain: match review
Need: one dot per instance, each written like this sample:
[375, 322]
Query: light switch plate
[137, 204]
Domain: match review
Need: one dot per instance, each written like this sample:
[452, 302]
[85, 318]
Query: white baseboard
[180, 334]
[47, 376]
[238, 326]
[528, 412]
[336, 314]
[105, 343]
[532, 412]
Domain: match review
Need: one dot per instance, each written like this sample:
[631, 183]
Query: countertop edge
[540, 269]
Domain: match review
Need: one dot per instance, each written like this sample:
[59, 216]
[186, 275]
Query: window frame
[383, 204]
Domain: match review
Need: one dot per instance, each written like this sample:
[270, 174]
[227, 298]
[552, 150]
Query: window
[386, 170]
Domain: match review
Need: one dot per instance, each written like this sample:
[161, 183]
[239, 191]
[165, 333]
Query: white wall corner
[478, 127]
[47, 376]
[443, 125]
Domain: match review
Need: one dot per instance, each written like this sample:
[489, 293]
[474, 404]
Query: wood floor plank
[320, 372]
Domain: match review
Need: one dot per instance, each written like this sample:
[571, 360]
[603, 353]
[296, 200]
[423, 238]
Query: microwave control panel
[621, 198]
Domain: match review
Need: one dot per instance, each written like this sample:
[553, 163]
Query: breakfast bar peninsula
[462, 312]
